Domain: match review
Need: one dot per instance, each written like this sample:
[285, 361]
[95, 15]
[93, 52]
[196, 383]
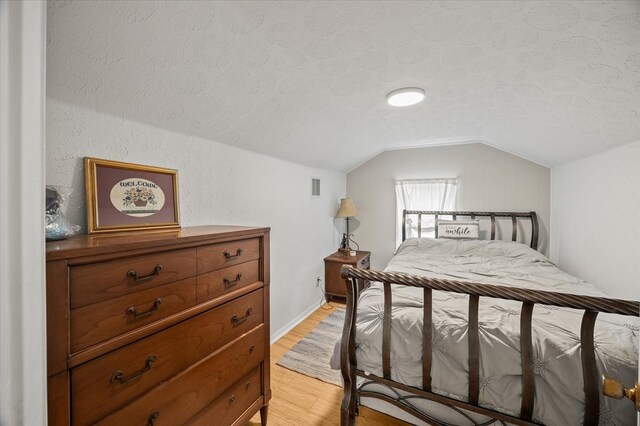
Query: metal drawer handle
[153, 417]
[228, 283]
[131, 310]
[236, 321]
[232, 399]
[246, 387]
[615, 389]
[228, 255]
[251, 349]
[132, 273]
[118, 376]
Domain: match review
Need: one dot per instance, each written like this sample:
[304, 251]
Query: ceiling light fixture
[405, 96]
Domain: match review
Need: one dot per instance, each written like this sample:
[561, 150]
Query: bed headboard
[531, 216]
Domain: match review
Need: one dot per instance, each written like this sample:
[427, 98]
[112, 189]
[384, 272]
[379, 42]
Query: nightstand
[333, 284]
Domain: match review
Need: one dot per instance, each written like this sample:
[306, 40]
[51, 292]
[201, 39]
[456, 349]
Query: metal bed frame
[532, 216]
[355, 280]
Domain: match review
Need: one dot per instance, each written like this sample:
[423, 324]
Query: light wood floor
[300, 400]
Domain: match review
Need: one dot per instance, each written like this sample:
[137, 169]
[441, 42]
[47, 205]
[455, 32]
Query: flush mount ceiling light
[405, 96]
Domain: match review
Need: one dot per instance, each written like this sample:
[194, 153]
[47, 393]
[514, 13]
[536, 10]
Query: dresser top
[97, 244]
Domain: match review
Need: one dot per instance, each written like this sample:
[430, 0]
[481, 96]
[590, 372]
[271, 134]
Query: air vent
[315, 187]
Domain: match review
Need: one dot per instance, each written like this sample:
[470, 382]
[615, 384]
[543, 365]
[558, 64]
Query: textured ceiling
[306, 81]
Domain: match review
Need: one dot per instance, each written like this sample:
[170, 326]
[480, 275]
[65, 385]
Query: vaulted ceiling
[306, 81]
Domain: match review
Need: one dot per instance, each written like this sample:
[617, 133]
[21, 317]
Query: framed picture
[125, 196]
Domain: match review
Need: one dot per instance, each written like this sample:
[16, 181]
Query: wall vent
[315, 187]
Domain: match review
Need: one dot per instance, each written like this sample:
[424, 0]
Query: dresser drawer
[173, 402]
[105, 280]
[96, 323]
[232, 403]
[216, 283]
[363, 263]
[94, 393]
[217, 256]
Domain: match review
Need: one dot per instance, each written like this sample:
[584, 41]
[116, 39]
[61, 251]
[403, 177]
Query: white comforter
[559, 399]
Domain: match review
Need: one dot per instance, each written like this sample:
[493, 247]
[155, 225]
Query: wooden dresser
[159, 327]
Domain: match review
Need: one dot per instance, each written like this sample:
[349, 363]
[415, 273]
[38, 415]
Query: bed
[510, 337]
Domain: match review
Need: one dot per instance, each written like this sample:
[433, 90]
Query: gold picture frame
[130, 197]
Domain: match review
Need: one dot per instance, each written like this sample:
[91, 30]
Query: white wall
[23, 368]
[219, 184]
[594, 224]
[489, 180]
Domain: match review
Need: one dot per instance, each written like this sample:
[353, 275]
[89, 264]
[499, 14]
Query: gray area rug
[311, 355]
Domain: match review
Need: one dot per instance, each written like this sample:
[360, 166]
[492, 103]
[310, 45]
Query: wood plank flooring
[299, 400]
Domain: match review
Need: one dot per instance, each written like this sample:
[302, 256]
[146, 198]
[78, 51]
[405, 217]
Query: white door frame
[23, 367]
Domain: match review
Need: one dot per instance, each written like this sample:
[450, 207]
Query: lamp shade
[347, 208]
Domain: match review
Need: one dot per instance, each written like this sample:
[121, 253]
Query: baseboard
[291, 324]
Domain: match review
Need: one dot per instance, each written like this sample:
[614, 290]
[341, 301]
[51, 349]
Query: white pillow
[459, 229]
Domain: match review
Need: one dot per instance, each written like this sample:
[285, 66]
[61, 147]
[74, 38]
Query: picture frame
[130, 197]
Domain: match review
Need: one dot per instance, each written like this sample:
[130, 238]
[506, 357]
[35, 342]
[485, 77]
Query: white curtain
[423, 194]
[23, 343]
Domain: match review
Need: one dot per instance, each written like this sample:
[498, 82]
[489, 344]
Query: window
[423, 194]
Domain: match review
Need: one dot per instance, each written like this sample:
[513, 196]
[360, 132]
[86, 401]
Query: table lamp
[347, 210]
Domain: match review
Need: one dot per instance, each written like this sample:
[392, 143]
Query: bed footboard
[355, 278]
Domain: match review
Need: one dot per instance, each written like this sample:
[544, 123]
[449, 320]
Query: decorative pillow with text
[459, 229]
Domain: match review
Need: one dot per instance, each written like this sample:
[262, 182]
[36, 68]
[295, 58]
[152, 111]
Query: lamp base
[344, 251]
